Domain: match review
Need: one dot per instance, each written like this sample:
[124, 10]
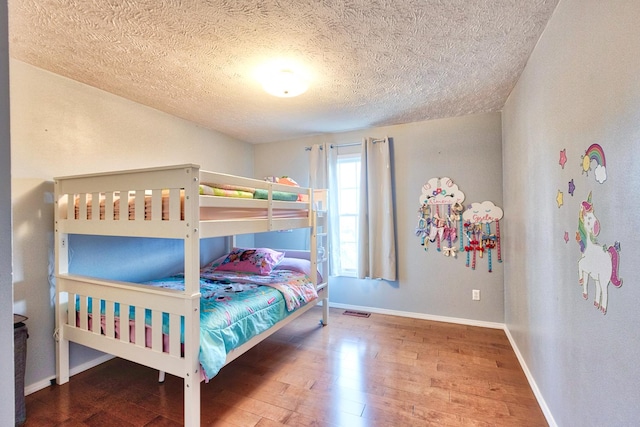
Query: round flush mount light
[284, 83]
[282, 77]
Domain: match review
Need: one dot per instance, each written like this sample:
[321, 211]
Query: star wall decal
[560, 198]
[572, 187]
[563, 158]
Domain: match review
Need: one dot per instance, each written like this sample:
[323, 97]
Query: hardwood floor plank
[43, 414]
[254, 406]
[161, 421]
[474, 358]
[103, 419]
[383, 417]
[377, 371]
[265, 422]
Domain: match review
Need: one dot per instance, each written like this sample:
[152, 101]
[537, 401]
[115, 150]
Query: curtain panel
[376, 224]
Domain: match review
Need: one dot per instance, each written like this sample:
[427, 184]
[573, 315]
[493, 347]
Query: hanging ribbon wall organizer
[443, 219]
[481, 239]
[440, 216]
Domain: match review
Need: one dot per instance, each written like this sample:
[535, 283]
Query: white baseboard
[32, 388]
[532, 382]
[461, 321]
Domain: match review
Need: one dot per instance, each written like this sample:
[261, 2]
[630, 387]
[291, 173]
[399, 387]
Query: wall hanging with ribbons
[445, 222]
[481, 238]
[439, 216]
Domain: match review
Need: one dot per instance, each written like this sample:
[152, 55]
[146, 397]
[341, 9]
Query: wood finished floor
[376, 371]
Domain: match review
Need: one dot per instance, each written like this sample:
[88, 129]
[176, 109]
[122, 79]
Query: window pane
[349, 201]
[349, 258]
[348, 230]
[347, 172]
[348, 178]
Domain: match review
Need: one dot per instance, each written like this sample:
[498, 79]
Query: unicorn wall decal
[600, 262]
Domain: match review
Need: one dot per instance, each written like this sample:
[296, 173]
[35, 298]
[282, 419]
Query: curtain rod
[348, 144]
[309, 148]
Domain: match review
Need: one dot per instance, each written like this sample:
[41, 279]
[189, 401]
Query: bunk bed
[174, 202]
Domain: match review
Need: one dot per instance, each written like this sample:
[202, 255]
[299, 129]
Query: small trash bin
[20, 336]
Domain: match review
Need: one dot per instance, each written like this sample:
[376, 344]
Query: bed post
[192, 302]
[61, 257]
[325, 308]
[62, 345]
[192, 376]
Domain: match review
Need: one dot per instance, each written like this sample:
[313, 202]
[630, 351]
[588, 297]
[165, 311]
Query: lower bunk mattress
[234, 307]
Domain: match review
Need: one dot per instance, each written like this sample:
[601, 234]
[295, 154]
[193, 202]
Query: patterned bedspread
[296, 288]
[235, 307]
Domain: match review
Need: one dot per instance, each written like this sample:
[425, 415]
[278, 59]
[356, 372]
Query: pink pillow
[299, 265]
[255, 260]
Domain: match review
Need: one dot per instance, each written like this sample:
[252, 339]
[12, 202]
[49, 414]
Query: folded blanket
[276, 195]
[224, 192]
[245, 192]
[227, 187]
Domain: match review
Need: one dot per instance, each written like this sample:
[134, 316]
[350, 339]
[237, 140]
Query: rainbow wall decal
[595, 153]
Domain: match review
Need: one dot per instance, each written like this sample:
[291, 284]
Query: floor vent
[356, 313]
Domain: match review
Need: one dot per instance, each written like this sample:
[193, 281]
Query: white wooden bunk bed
[166, 202]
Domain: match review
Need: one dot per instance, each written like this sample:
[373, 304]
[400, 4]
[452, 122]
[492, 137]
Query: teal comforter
[232, 312]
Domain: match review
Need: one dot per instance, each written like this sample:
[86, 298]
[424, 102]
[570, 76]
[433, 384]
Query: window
[348, 183]
[348, 227]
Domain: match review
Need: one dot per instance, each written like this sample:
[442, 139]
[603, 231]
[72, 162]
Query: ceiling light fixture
[284, 83]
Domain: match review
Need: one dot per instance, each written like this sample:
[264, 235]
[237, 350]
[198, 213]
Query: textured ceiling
[370, 62]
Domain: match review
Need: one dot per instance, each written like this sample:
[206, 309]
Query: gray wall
[466, 149]
[7, 410]
[580, 87]
[62, 127]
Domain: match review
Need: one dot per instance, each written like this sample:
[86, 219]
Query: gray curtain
[377, 252]
[318, 166]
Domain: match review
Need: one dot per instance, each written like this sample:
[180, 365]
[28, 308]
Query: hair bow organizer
[439, 216]
[481, 239]
[443, 219]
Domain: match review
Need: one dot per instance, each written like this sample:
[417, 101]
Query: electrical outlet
[475, 295]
